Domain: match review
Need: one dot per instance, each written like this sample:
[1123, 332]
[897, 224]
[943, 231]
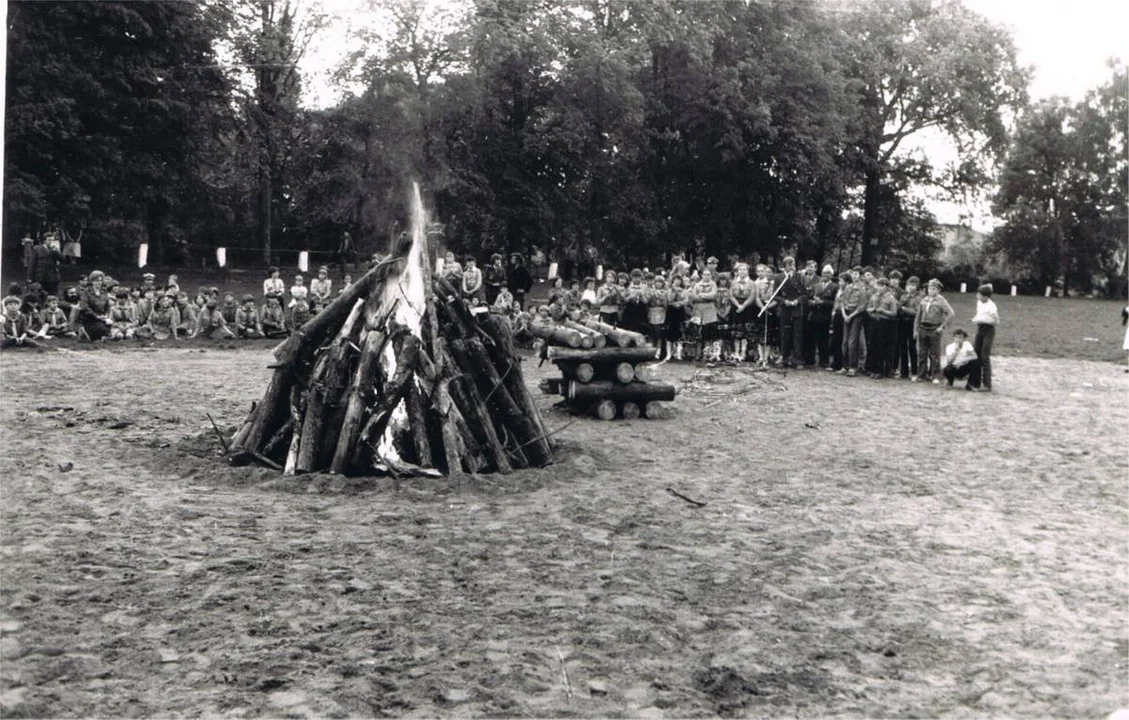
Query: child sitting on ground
[272, 318]
[212, 325]
[15, 325]
[123, 319]
[247, 319]
[54, 319]
[504, 302]
[188, 315]
[960, 361]
[229, 309]
[164, 320]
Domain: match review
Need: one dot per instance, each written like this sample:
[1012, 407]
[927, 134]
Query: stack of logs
[372, 386]
[604, 369]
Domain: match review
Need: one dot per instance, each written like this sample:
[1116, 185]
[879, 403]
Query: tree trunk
[871, 250]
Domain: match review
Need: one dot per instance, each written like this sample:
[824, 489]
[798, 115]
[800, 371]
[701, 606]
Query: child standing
[883, 318]
[677, 298]
[503, 304]
[723, 301]
[704, 294]
[273, 285]
[321, 287]
[987, 318]
[933, 314]
[742, 297]
[657, 300]
[607, 299]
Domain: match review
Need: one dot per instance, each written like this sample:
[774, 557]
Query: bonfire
[397, 376]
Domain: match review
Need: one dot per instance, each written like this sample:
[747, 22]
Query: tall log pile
[605, 370]
[396, 376]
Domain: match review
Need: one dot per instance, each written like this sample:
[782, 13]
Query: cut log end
[625, 372]
[606, 410]
[656, 411]
[631, 410]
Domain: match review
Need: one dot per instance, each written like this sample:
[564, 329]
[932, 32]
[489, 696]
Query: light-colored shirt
[958, 356]
[273, 286]
[986, 313]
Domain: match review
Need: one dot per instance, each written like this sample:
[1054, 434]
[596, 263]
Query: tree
[1063, 189]
[918, 66]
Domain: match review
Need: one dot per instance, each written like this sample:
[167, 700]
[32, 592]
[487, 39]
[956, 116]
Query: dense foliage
[622, 129]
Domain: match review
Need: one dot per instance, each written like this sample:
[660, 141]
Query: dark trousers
[817, 332]
[907, 347]
[791, 335]
[879, 351]
[985, 336]
[519, 295]
[971, 370]
[837, 341]
[872, 352]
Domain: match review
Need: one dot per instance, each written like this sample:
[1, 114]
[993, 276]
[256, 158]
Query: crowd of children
[863, 322]
[100, 309]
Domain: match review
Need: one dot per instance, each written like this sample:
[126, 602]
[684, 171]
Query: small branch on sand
[219, 434]
[564, 672]
[680, 496]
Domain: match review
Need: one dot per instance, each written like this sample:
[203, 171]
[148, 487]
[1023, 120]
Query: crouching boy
[15, 325]
[247, 319]
[960, 361]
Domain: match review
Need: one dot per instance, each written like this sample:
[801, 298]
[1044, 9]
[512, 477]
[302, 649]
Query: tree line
[627, 129]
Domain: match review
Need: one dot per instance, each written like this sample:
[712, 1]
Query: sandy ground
[866, 549]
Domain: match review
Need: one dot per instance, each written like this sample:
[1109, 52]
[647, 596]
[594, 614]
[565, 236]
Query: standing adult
[45, 260]
[493, 276]
[520, 281]
[346, 252]
[27, 251]
[791, 295]
[817, 327]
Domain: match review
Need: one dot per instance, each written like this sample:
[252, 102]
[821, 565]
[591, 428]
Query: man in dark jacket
[790, 299]
[45, 259]
[519, 281]
[817, 328]
[493, 276]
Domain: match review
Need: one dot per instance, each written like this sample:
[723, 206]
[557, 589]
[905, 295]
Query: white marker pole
[599, 272]
[142, 255]
[1048, 291]
[552, 271]
[1013, 290]
[304, 261]
[221, 257]
[963, 288]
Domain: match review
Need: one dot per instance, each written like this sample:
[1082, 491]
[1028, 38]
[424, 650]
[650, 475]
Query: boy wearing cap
[247, 319]
[933, 313]
[987, 318]
[16, 328]
[960, 361]
[321, 287]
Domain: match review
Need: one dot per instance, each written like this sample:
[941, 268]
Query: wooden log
[599, 340]
[644, 373]
[394, 392]
[655, 410]
[606, 410]
[624, 372]
[556, 335]
[630, 410]
[581, 371]
[609, 354]
[317, 329]
[270, 413]
[618, 336]
[604, 389]
[297, 410]
[328, 384]
[508, 363]
[360, 387]
[473, 406]
[505, 410]
[417, 422]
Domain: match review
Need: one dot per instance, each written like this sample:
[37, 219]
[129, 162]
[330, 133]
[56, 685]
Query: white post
[963, 288]
[599, 272]
[1013, 290]
[142, 255]
[304, 261]
[552, 271]
[221, 257]
[1048, 291]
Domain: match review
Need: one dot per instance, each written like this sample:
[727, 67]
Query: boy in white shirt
[960, 361]
[987, 318]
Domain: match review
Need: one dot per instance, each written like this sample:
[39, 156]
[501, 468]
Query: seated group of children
[101, 309]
